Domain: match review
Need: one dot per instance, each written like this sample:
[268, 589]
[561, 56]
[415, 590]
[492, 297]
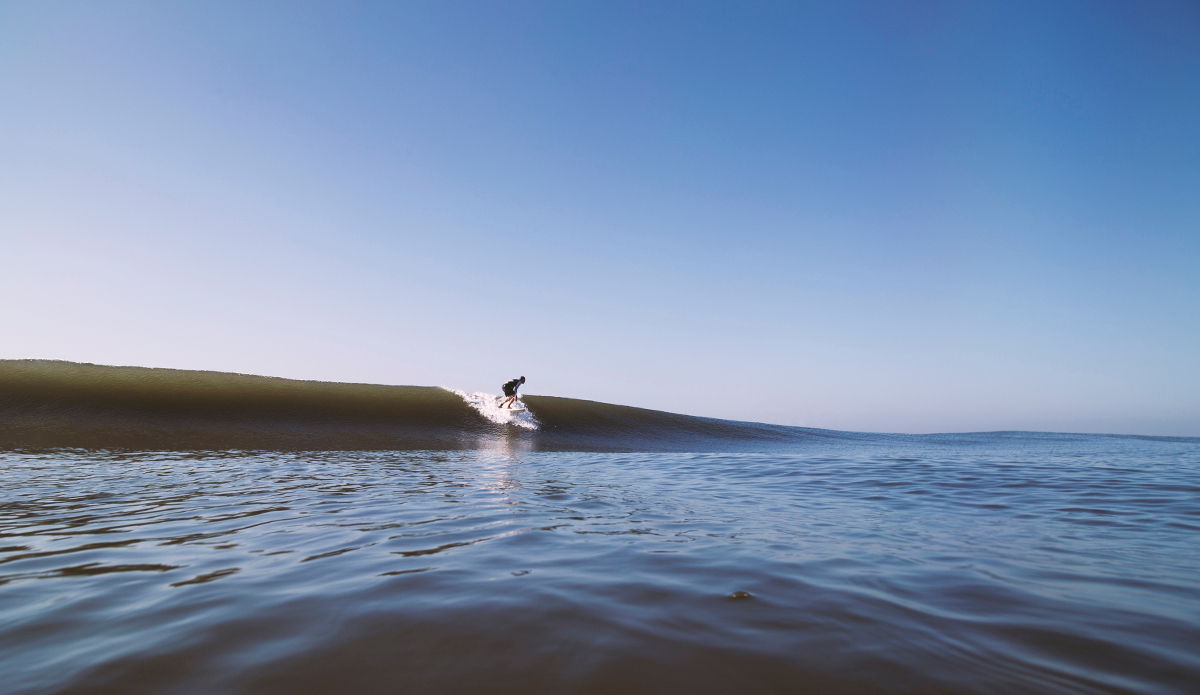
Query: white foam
[488, 405]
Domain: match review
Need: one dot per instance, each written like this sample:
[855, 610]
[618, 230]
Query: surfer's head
[522, 380]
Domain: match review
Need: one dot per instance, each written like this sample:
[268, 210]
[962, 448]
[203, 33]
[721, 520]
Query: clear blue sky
[892, 216]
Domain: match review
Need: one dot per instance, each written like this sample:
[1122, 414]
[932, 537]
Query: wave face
[64, 404]
[54, 404]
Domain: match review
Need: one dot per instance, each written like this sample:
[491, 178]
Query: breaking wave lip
[488, 405]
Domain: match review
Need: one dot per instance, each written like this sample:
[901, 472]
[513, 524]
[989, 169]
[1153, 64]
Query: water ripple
[939, 570]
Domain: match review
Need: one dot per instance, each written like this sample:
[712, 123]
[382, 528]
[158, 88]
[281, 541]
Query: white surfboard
[518, 407]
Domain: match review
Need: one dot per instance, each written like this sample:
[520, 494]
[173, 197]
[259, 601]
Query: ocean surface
[193, 532]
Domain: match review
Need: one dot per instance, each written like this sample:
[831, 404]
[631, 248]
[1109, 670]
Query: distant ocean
[167, 531]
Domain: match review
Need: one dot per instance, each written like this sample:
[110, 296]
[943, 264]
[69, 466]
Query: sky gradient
[912, 217]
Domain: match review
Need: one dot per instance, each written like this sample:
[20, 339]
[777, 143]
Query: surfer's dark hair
[522, 378]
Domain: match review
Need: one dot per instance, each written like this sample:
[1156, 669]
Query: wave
[55, 404]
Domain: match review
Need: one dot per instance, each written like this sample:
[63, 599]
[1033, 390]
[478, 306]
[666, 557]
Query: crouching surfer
[510, 390]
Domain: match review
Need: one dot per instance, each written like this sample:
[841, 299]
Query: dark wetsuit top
[510, 388]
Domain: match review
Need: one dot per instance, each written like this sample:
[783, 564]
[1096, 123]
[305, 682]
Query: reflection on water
[1030, 568]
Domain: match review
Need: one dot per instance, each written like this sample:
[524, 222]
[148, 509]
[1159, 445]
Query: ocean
[168, 531]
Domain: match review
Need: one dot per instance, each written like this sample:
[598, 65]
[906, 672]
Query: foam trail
[488, 406]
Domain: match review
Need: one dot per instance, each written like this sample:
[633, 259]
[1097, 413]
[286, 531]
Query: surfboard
[513, 410]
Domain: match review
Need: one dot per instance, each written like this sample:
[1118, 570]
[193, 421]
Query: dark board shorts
[508, 390]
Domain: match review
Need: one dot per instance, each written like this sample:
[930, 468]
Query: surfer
[510, 390]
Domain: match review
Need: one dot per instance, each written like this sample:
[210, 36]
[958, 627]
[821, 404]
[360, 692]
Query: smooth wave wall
[45, 403]
[53, 404]
[64, 404]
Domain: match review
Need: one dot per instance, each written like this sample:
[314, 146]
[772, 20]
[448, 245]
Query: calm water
[1012, 564]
